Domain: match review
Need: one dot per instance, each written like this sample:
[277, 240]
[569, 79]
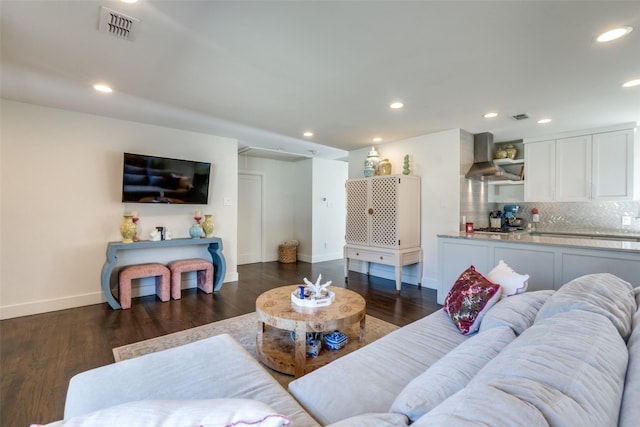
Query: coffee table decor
[335, 340]
[313, 295]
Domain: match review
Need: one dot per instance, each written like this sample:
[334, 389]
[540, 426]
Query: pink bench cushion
[138, 271]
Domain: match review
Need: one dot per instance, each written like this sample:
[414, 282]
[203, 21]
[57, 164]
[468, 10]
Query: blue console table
[215, 249]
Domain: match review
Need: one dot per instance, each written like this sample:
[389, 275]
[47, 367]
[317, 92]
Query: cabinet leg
[398, 279]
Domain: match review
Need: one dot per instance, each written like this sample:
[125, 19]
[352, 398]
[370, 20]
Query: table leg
[363, 336]
[300, 356]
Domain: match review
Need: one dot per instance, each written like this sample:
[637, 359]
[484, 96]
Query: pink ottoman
[138, 271]
[204, 271]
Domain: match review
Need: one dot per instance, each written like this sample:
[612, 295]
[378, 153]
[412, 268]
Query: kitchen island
[550, 259]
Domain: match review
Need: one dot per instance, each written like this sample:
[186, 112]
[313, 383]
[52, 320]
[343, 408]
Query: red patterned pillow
[471, 296]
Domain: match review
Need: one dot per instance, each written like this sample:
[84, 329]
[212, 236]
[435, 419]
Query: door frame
[262, 207]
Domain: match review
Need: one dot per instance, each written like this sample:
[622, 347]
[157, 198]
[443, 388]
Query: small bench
[204, 271]
[138, 271]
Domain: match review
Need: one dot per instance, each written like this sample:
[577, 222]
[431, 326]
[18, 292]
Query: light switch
[227, 201]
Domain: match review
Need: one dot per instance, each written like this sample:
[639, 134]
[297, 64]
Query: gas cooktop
[497, 230]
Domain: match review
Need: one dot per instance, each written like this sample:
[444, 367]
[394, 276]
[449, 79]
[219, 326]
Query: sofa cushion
[630, 409]
[603, 293]
[571, 367]
[381, 419]
[512, 283]
[212, 368]
[482, 405]
[451, 373]
[170, 413]
[517, 312]
[469, 299]
[369, 380]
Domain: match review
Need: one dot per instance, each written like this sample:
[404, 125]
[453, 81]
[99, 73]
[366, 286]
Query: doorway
[250, 216]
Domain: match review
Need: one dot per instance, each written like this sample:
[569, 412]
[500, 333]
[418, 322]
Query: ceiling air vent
[521, 116]
[118, 24]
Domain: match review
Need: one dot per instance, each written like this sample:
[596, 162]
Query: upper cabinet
[596, 166]
[613, 171]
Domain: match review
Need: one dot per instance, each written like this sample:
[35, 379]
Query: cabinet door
[540, 171]
[384, 212]
[357, 227]
[573, 169]
[613, 154]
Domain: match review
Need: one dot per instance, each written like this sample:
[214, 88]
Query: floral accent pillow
[512, 283]
[471, 296]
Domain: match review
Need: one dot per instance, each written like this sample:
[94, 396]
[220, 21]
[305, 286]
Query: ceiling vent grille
[521, 116]
[118, 24]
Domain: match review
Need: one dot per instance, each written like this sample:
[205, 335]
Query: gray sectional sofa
[564, 358]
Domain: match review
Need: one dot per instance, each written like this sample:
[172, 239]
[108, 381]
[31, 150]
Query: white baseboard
[146, 287]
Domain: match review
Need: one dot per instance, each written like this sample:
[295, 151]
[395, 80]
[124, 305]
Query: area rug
[242, 328]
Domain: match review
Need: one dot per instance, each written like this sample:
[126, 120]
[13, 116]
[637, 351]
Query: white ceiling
[265, 71]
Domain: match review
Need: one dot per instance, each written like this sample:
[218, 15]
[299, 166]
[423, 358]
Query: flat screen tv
[151, 179]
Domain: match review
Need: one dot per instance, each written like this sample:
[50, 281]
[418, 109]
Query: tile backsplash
[554, 216]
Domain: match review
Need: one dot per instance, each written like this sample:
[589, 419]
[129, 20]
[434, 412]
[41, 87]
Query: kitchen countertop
[585, 239]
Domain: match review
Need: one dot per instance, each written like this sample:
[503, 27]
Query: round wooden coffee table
[274, 345]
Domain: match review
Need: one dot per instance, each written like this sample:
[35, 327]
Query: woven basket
[288, 253]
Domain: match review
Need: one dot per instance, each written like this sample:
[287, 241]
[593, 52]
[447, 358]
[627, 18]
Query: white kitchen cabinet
[598, 166]
[383, 222]
[573, 169]
[613, 166]
[540, 171]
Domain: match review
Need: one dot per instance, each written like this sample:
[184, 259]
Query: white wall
[60, 202]
[302, 209]
[328, 209]
[436, 159]
[278, 204]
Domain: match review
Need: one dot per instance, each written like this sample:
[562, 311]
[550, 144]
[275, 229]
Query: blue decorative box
[335, 340]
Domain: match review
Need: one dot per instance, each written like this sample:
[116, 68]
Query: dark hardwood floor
[40, 353]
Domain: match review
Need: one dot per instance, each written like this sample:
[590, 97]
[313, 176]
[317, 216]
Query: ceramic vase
[384, 167]
[128, 229]
[196, 231]
[371, 163]
[511, 151]
[207, 226]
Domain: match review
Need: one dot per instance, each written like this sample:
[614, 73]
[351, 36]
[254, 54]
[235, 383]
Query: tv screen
[151, 179]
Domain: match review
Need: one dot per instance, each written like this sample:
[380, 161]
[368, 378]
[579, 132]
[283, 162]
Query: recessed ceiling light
[632, 83]
[396, 105]
[543, 121]
[308, 134]
[129, 1]
[102, 88]
[616, 33]
[490, 115]
[377, 139]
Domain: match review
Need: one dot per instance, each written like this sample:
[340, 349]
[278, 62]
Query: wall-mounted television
[152, 179]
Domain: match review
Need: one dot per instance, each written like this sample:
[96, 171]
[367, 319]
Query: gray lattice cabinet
[383, 223]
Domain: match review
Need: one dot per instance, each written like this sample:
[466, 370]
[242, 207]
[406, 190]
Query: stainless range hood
[483, 168]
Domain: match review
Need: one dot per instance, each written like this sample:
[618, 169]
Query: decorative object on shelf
[154, 236]
[511, 151]
[196, 231]
[128, 229]
[313, 295]
[207, 225]
[384, 167]
[314, 342]
[371, 163]
[405, 166]
[535, 213]
[335, 340]
[135, 220]
[500, 153]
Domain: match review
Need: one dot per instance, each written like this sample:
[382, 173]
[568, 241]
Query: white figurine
[316, 288]
[154, 235]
